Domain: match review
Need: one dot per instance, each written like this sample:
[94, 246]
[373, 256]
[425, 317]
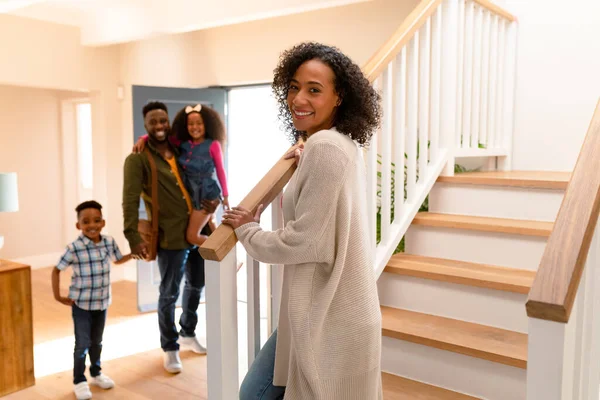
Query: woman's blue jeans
[258, 383]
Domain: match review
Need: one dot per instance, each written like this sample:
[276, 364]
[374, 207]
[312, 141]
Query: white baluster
[491, 124]
[436, 41]
[413, 109]
[449, 134]
[550, 360]
[222, 328]
[500, 84]
[485, 78]
[372, 188]
[477, 55]
[587, 368]
[386, 152]
[505, 163]
[468, 76]
[399, 132]
[275, 281]
[424, 76]
[253, 303]
[460, 72]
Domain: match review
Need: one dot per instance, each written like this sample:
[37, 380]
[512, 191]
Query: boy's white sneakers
[192, 343]
[103, 381]
[82, 391]
[172, 362]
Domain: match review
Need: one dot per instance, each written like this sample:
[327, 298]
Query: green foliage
[424, 207]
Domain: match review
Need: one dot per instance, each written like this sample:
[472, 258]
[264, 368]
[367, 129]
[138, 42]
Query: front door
[148, 276]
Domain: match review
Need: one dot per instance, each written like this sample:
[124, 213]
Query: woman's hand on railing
[296, 153]
[238, 216]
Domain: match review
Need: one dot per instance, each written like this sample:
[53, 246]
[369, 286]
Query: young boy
[90, 256]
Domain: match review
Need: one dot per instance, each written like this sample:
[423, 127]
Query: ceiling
[104, 22]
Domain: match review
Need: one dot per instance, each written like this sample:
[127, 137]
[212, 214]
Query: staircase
[453, 305]
[497, 295]
[479, 305]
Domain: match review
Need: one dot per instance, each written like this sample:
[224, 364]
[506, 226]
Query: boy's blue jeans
[173, 264]
[89, 327]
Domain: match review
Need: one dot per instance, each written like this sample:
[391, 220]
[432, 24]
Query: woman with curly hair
[328, 342]
[199, 134]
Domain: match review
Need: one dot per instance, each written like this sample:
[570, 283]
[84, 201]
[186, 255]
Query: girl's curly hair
[214, 127]
[359, 114]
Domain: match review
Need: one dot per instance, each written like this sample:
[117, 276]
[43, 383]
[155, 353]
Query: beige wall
[40, 54]
[30, 138]
[49, 56]
[248, 53]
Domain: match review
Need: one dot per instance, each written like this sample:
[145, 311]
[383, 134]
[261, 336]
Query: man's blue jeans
[258, 383]
[173, 264]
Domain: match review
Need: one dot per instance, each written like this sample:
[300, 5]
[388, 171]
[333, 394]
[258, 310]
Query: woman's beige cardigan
[329, 334]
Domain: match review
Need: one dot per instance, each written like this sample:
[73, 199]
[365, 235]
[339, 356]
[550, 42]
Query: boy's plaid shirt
[90, 283]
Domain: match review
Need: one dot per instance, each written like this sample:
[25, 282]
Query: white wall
[558, 80]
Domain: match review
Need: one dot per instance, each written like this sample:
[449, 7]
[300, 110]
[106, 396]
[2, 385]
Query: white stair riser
[469, 375]
[479, 305]
[496, 201]
[506, 250]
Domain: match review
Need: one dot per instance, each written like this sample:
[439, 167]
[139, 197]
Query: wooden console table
[16, 328]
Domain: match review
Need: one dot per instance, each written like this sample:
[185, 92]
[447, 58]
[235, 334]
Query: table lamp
[9, 198]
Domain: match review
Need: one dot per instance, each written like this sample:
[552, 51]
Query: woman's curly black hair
[214, 127]
[359, 113]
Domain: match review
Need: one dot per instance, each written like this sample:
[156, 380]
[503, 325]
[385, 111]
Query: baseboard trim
[40, 261]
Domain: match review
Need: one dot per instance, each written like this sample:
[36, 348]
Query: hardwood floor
[133, 359]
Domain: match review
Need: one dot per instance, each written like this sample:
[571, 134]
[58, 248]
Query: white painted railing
[430, 88]
[564, 358]
[486, 49]
[563, 361]
[222, 317]
[438, 104]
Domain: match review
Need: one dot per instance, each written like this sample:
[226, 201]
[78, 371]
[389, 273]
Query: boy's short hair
[88, 204]
[154, 105]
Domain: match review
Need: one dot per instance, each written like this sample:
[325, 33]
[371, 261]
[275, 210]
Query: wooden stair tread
[481, 341]
[460, 272]
[532, 179]
[399, 388]
[485, 224]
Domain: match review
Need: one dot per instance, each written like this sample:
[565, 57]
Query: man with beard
[175, 255]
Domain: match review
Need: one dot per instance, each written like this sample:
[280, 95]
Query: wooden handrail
[496, 10]
[223, 239]
[557, 280]
[390, 49]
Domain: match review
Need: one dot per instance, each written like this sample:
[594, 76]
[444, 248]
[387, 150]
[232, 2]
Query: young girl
[199, 133]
